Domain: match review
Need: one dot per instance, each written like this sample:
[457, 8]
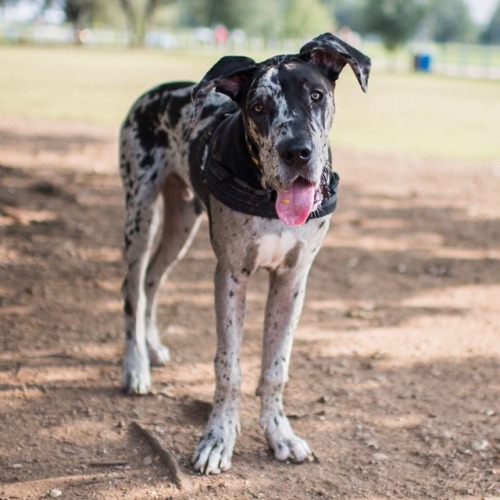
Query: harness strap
[241, 196]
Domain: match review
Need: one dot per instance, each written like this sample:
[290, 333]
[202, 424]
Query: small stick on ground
[108, 463]
[166, 456]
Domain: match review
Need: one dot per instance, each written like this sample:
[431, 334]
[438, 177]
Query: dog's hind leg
[139, 237]
[181, 219]
[181, 215]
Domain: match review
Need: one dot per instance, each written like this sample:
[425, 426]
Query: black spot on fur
[147, 123]
[174, 110]
[208, 111]
[126, 168]
[127, 308]
[147, 161]
[161, 139]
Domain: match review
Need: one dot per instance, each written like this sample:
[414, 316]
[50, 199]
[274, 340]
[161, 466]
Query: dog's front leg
[215, 449]
[283, 309]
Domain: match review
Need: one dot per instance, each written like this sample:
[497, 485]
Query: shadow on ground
[386, 414]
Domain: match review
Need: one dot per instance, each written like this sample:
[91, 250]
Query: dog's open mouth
[294, 205]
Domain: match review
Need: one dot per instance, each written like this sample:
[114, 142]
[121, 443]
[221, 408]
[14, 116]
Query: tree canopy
[449, 21]
[492, 32]
[396, 21]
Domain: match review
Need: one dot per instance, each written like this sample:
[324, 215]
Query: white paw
[294, 449]
[215, 449]
[285, 444]
[136, 376]
[212, 457]
[158, 354]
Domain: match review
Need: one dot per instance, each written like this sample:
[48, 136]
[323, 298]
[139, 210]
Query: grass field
[402, 114]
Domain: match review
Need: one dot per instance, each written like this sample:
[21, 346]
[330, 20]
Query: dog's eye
[316, 96]
[258, 109]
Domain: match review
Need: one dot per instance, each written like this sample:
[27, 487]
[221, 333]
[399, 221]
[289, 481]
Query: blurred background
[431, 26]
[435, 60]
[239, 23]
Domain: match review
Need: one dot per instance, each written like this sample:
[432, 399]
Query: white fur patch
[273, 248]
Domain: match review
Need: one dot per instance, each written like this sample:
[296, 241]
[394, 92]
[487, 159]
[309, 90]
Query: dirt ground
[395, 375]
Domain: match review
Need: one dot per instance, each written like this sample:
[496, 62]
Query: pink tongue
[294, 205]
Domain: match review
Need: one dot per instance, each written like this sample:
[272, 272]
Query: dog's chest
[273, 249]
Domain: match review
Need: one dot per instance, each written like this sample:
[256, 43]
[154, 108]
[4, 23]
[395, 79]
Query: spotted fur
[276, 118]
[289, 117]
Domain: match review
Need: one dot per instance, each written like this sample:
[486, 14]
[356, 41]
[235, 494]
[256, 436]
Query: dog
[249, 144]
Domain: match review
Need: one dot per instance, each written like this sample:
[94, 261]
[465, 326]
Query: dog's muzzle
[247, 195]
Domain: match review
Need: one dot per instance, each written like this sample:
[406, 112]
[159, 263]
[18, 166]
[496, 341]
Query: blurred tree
[492, 32]
[192, 13]
[83, 14]
[306, 17]
[395, 21]
[348, 13]
[449, 21]
[230, 13]
[80, 13]
[139, 15]
[265, 17]
[270, 18]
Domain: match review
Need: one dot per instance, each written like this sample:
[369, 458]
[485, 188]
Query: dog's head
[287, 107]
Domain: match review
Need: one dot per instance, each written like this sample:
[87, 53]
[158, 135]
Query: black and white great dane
[248, 145]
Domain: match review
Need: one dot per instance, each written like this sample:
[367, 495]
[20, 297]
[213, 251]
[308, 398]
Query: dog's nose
[295, 153]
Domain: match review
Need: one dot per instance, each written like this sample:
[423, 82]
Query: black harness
[234, 177]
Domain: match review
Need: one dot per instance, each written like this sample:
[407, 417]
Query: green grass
[420, 115]
[94, 85]
[402, 114]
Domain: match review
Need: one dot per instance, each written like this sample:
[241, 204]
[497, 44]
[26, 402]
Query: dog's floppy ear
[331, 54]
[229, 75]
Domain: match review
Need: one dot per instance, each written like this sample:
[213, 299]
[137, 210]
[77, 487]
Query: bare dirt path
[395, 375]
